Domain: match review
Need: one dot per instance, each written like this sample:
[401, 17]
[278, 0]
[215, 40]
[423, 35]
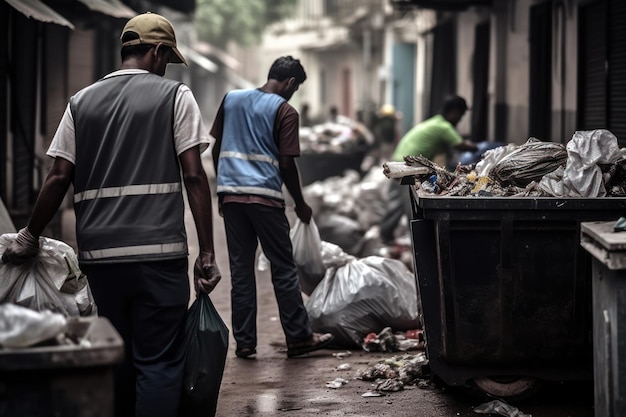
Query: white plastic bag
[587, 149]
[361, 296]
[22, 327]
[50, 281]
[307, 254]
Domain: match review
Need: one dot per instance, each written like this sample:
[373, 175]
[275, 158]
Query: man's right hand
[206, 273]
[304, 213]
[23, 248]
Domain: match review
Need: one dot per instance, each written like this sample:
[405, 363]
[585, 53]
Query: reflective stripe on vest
[249, 157]
[242, 189]
[127, 190]
[132, 251]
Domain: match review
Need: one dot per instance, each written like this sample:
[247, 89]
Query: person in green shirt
[430, 138]
[436, 135]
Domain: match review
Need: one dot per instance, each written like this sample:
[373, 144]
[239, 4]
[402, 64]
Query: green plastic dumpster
[63, 380]
[609, 315]
[505, 289]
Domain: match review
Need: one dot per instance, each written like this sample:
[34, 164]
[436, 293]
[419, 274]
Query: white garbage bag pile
[361, 296]
[348, 210]
[341, 136]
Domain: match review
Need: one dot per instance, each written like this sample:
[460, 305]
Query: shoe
[246, 353]
[315, 342]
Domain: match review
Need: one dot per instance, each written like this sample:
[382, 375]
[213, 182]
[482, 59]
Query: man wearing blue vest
[122, 143]
[256, 134]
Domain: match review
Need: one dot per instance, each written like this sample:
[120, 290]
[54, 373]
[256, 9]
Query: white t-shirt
[189, 130]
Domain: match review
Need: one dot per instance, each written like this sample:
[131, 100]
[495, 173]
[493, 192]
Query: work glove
[206, 274]
[23, 248]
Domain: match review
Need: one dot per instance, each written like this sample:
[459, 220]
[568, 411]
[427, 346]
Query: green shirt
[428, 139]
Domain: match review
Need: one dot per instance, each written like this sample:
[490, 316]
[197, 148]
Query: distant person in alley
[430, 138]
[257, 141]
[122, 142]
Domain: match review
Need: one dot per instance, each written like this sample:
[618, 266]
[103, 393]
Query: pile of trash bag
[590, 165]
[360, 296]
[342, 135]
[348, 210]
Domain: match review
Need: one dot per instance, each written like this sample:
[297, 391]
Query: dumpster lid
[519, 203]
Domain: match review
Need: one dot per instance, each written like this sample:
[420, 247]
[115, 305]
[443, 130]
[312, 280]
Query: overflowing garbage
[590, 165]
[343, 135]
[363, 289]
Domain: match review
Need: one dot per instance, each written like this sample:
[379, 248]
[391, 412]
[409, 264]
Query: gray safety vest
[127, 186]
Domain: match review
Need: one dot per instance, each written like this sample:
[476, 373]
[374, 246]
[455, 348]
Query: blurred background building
[542, 68]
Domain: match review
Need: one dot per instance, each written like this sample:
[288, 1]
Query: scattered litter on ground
[372, 394]
[395, 373]
[501, 408]
[343, 367]
[341, 355]
[290, 409]
[336, 383]
[387, 341]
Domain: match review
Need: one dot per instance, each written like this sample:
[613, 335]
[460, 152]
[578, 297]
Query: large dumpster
[505, 289]
[74, 380]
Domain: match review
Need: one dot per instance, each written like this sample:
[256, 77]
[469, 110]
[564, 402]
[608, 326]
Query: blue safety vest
[249, 155]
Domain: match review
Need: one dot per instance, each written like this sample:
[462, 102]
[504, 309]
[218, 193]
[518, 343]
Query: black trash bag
[206, 346]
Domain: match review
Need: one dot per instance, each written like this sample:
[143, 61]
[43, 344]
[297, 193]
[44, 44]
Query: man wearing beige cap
[122, 143]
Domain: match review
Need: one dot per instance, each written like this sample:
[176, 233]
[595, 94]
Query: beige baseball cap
[153, 29]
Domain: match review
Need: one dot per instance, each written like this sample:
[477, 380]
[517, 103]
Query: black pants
[146, 303]
[246, 225]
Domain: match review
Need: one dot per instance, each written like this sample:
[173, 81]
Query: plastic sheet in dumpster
[50, 281]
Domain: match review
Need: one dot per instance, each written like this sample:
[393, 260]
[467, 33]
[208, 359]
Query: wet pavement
[272, 385]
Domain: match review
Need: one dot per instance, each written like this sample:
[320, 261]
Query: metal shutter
[617, 69]
[592, 67]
